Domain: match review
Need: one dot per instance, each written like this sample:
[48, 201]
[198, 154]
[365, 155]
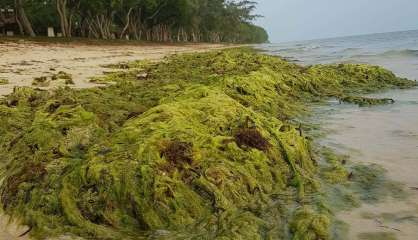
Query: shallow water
[386, 135]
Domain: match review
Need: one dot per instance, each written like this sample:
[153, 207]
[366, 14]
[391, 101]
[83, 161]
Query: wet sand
[21, 62]
[386, 135]
[11, 230]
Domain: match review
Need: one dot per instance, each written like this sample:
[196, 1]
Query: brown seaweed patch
[251, 137]
[178, 152]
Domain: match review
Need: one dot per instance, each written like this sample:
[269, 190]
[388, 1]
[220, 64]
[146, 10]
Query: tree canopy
[151, 20]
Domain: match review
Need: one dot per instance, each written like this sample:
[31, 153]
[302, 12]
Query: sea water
[386, 135]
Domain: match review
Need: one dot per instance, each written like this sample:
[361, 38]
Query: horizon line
[342, 36]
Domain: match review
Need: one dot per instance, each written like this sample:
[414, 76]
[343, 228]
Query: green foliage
[42, 14]
[152, 20]
[201, 147]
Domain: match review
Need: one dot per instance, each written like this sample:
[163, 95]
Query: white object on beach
[51, 32]
[10, 33]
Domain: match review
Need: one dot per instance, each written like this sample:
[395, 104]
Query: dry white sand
[21, 62]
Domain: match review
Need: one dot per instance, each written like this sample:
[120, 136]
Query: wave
[404, 52]
[287, 51]
[349, 50]
[391, 53]
[296, 48]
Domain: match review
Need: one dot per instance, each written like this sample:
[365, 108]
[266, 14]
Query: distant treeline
[150, 20]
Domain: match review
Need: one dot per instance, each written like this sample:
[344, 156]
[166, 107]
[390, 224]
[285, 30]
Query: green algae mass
[364, 101]
[201, 146]
[4, 81]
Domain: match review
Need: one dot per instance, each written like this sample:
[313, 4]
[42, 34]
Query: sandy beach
[22, 61]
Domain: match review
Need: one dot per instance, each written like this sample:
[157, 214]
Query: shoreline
[237, 94]
[22, 61]
[379, 136]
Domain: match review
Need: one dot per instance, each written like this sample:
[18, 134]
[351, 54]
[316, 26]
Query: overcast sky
[289, 20]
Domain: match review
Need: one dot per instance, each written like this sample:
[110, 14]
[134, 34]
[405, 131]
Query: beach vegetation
[147, 20]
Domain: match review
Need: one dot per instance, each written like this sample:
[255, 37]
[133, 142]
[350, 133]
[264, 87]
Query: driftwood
[386, 227]
[26, 232]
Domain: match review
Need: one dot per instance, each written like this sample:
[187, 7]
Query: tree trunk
[64, 20]
[100, 26]
[2, 18]
[22, 32]
[135, 26]
[128, 21]
[23, 19]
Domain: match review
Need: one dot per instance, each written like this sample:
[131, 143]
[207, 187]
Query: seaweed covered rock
[202, 148]
[364, 101]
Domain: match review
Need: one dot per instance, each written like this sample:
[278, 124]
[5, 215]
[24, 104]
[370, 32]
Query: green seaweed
[339, 230]
[69, 82]
[202, 145]
[349, 184]
[334, 170]
[309, 225]
[45, 81]
[371, 183]
[364, 101]
[377, 236]
[61, 75]
[41, 81]
[4, 81]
